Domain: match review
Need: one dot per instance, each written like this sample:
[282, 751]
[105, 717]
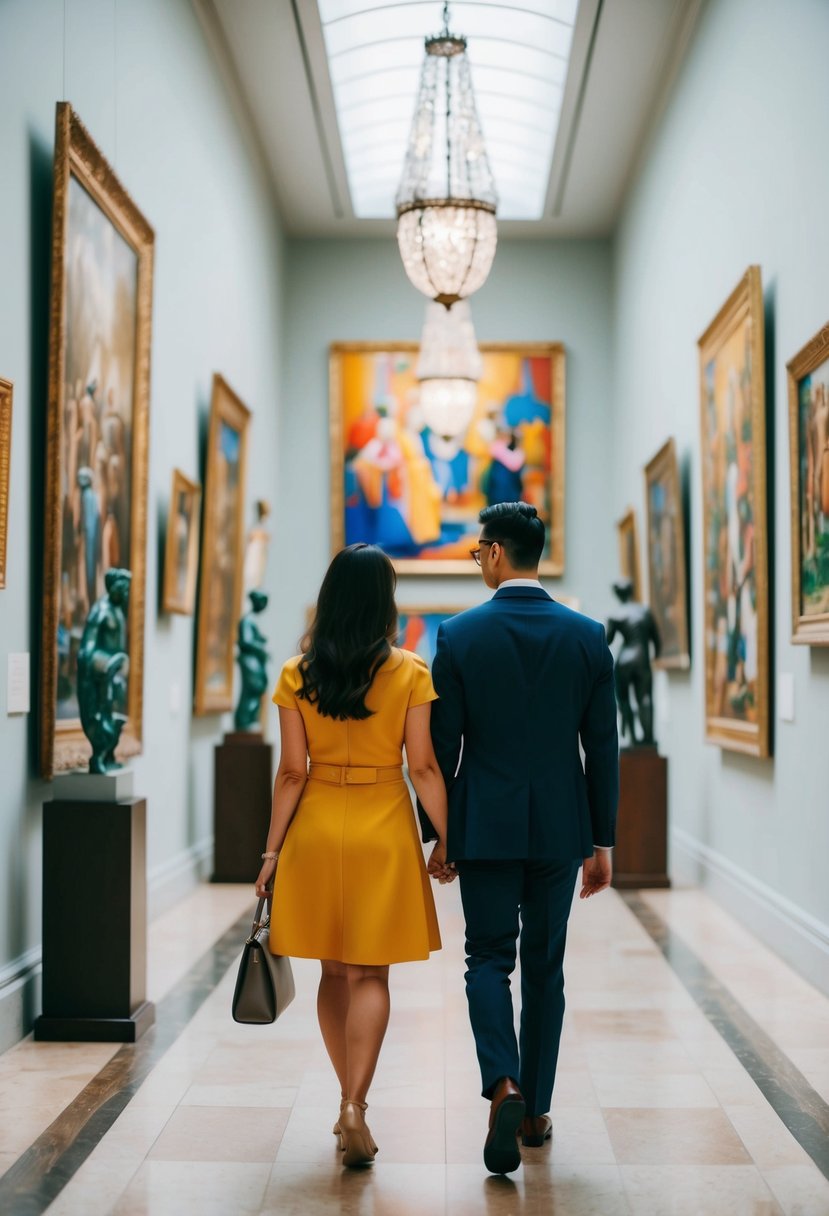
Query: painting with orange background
[417, 494]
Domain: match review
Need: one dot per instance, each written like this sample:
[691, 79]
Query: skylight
[518, 51]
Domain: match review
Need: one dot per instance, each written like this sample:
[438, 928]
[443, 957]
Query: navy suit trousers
[502, 902]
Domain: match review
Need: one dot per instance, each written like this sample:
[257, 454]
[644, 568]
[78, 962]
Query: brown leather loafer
[501, 1152]
[535, 1129]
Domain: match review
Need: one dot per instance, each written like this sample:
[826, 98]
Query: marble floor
[654, 1112]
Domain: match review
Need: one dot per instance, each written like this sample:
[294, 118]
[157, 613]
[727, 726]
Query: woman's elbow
[425, 771]
[291, 776]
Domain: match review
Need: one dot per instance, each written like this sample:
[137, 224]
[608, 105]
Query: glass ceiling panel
[518, 52]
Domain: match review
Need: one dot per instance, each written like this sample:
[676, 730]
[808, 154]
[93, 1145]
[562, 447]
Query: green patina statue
[103, 665]
[253, 665]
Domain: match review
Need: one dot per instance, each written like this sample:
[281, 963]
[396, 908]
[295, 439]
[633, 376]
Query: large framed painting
[6, 390]
[809, 454]
[666, 557]
[628, 535]
[418, 628]
[416, 494]
[735, 537]
[223, 547]
[97, 430]
[181, 553]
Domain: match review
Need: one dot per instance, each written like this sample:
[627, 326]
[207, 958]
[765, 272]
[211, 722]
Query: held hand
[596, 874]
[438, 867]
[265, 875]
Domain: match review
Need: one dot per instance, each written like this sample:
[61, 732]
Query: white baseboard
[167, 883]
[19, 996]
[800, 938]
[170, 881]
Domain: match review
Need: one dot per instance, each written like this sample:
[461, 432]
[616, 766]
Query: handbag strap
[258, 922]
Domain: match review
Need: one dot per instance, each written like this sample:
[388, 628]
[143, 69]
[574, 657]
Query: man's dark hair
[516, 526]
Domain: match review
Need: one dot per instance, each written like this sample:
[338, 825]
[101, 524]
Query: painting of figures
[97, 444]
[417, 494]
[666, 557]
[220, 578]
[628, 535]
[734, 523]
[182, 548]
[809, 451]
[6, 391]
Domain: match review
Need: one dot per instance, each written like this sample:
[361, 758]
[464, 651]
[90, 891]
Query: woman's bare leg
[365, 1026]
[332, 1011]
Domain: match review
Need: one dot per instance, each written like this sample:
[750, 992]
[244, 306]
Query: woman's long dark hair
[352, 634]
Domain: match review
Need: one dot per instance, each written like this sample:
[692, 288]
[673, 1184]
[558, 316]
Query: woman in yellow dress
[351, 887]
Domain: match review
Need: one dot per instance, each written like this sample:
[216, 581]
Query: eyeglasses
[475, 554]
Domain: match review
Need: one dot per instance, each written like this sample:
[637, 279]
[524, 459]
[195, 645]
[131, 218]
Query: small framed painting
[666, 557]
[223, 549]
[809, 456]
[5, 463]
[629, 551]
[181, 557]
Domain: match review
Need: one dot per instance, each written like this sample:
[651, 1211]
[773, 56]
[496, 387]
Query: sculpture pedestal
[241, 805]
[640, 858]
[94, 922]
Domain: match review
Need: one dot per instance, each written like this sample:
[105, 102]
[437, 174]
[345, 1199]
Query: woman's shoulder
[290, 668]
[409, 661]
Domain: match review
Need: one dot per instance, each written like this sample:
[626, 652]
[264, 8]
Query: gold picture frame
[97, 429]
[223, 548]
[735, 537]
[181, 550]
[627, 531]
[808, 377]
[667, 578]
[6, 397]
[546, 487]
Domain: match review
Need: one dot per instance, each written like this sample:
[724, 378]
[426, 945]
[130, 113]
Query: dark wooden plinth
[640, 858]
[241, 805]
[94, 922]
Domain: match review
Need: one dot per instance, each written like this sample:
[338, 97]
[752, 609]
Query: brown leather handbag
[265, 983]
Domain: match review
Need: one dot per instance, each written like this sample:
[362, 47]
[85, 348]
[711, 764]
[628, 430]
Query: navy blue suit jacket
[520, 680]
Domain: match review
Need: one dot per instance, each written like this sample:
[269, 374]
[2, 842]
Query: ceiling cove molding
[581, 54]
[315, 61]
[216, 40]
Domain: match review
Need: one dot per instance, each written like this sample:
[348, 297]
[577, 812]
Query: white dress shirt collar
[519, 582]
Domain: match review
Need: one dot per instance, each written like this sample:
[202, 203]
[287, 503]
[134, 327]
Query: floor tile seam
[141, 1067]
[756, 1052]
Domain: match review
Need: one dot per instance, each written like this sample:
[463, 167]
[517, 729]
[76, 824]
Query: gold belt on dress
[336, 774]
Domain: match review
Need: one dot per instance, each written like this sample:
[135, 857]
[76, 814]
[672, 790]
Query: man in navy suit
[521, 679]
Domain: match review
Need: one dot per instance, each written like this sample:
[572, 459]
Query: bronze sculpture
[103, 664]
[253, 664]
[636, 625]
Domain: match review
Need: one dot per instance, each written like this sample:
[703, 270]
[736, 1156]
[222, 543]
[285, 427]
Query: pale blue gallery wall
[143, 80]
[358, 291]
[736, 173]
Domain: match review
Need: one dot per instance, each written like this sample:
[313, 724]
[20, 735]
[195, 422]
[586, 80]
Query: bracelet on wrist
[272, 855]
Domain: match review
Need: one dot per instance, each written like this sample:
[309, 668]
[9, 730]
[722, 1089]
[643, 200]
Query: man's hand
[596, 873]
[438, 867]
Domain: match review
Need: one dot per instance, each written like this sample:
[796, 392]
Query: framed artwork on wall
[735, 540]
[419, 628]
[628, 535]
[181, 553]
[808, 374]
[6, 391]
[97, 429]
[666, 557]
[223, 548]
[417, 495]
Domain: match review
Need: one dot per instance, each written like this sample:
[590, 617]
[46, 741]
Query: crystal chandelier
[448, 369]
[446, 201]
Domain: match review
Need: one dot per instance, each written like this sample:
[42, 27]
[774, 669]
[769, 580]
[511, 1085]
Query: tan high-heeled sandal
[337, 1131]
[357, 1141]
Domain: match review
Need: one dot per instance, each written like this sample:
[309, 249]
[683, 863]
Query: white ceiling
[624, 54]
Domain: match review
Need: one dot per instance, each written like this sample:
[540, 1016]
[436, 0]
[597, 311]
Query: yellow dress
[351, 884]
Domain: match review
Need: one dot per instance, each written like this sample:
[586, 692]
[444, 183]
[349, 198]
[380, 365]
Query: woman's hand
[265, 875]
[437, 865]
